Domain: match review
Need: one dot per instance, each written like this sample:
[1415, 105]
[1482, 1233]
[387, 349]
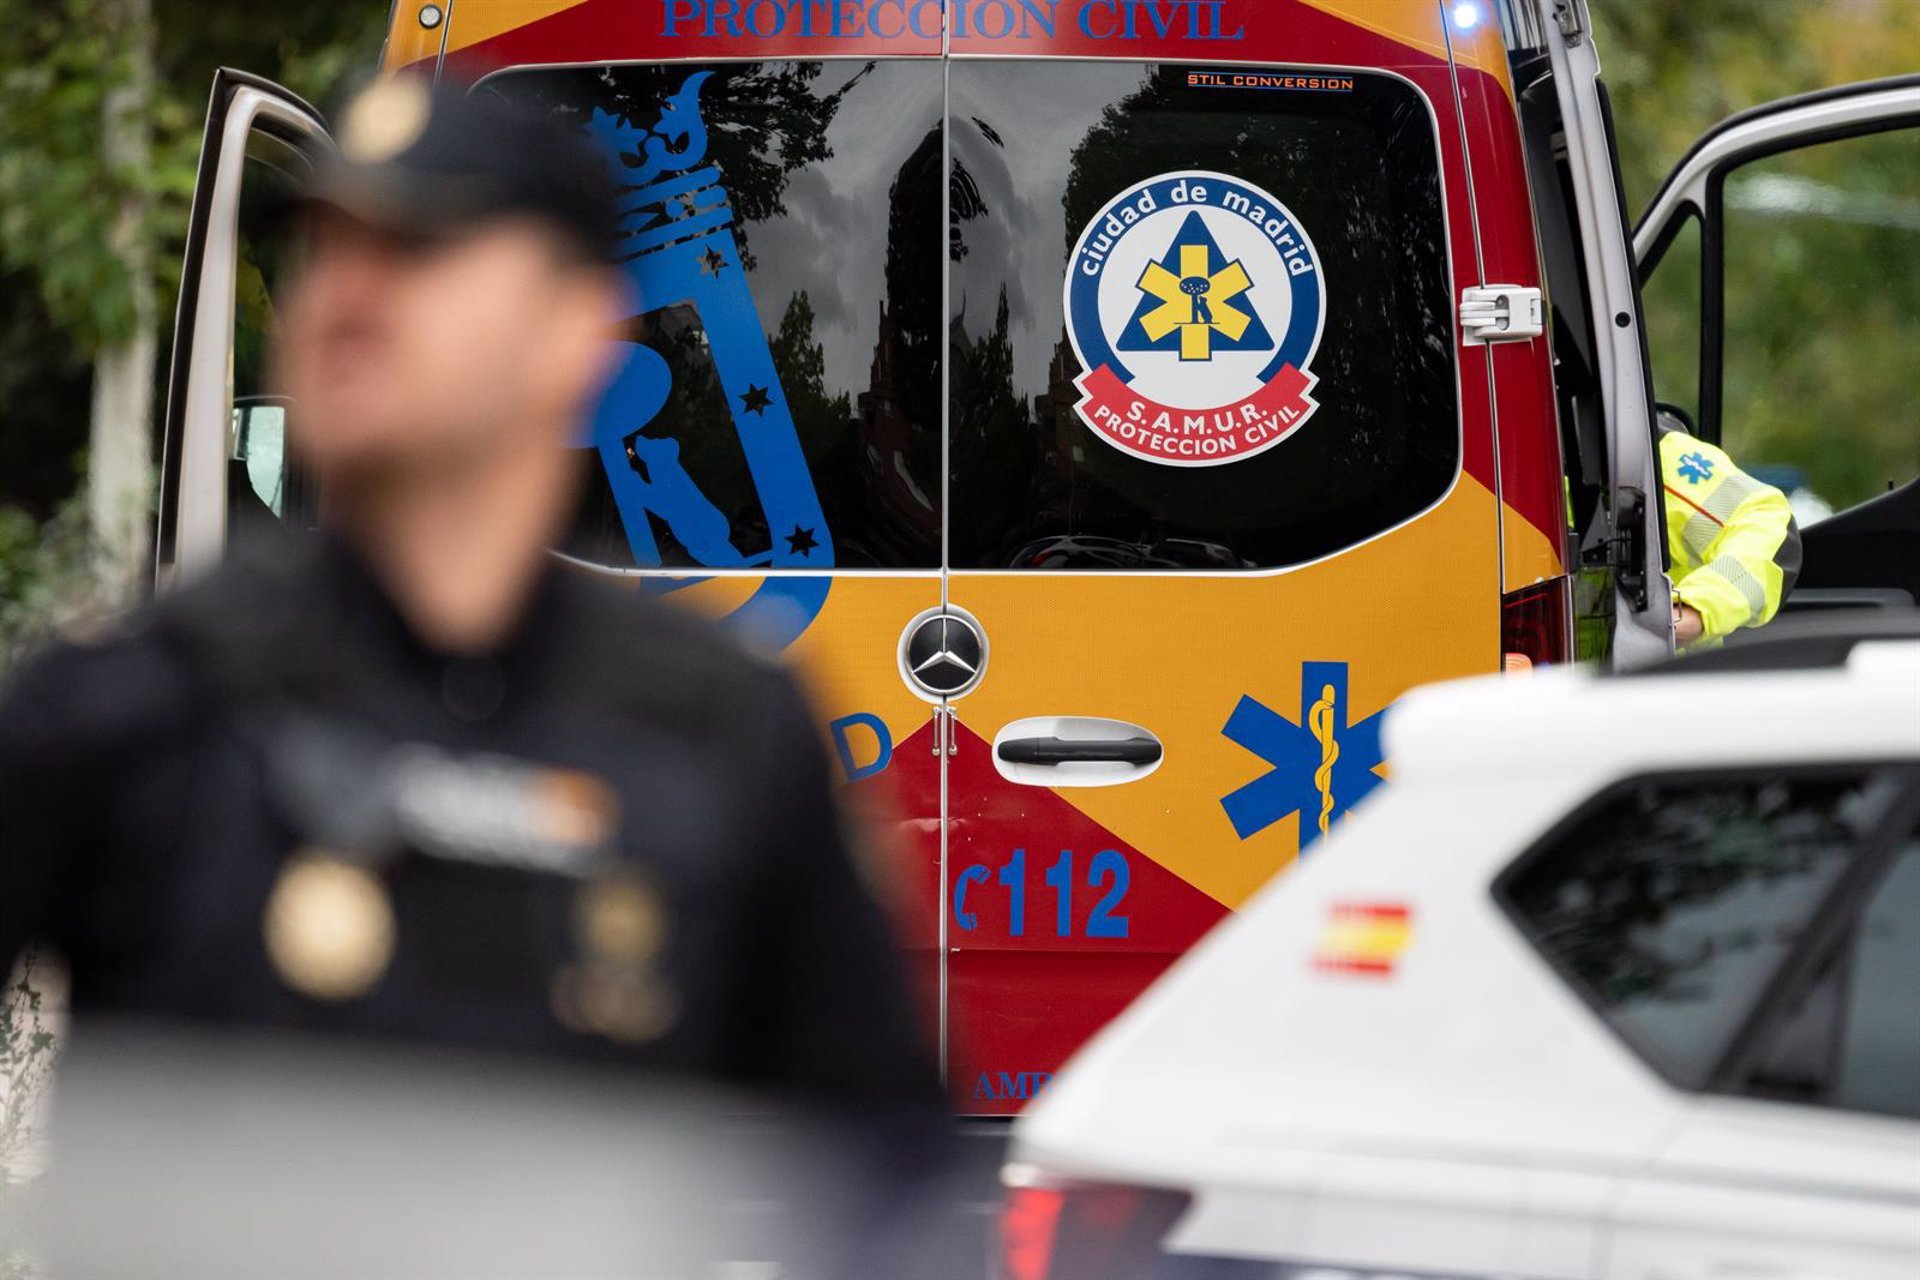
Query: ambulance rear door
[1219, 480]
[1599, 340]
[1115, 670]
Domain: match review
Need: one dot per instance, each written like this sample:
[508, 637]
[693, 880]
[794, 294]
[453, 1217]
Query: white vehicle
[1569, 999]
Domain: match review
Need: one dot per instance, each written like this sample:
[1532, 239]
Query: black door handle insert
[1048, 751]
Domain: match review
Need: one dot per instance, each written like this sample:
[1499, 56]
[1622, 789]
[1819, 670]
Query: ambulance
[1110, 407]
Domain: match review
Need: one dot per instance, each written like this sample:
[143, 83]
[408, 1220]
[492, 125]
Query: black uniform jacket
[611, 839]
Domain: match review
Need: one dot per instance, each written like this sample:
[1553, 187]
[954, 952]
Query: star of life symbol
[1321, 765]
[1695, 467]
[1194, 301]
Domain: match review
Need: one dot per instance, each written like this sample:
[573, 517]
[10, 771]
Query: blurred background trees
[101, 106]
[1822, 244]
[1675, 67]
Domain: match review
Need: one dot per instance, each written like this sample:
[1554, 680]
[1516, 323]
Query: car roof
[1796, 644]
[1825, 695]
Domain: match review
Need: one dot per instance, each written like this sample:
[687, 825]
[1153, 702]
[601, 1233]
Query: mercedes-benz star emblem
[943, 653]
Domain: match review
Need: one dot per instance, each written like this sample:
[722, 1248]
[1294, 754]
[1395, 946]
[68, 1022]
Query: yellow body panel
[1530, 557]
[846, 658]
[408, 42]
[1173, 653]
[1416, 24]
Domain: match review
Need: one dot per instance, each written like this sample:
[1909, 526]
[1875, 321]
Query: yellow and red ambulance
[1110, 406]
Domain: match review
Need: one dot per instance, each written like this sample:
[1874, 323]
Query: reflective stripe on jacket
[1733, 541]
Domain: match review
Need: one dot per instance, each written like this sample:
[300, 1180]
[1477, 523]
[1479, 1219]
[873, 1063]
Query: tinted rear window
[795, 227]
[1267, 195]
[779, 401]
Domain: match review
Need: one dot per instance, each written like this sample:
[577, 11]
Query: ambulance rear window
[777, 396]
[1195, 318]
[1250, 362]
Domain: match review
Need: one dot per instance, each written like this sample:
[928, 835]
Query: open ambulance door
[1632, 546]
[1783, 308]
[223, 458]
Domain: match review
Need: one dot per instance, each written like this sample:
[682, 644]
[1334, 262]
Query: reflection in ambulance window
[1251, 364]
[777, 400]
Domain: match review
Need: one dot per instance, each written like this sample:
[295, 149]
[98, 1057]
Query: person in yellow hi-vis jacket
[1732, 540]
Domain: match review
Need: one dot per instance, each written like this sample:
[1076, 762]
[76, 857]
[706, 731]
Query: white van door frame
[1692, 189]
[1643, 599]
[192, 528]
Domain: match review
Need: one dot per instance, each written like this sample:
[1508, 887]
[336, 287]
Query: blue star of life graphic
[1322, 765]
[1695, 467]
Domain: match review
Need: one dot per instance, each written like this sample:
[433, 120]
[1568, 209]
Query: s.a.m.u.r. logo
[1194, 301]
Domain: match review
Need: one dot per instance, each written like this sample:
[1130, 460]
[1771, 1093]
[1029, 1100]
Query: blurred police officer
[409, 777]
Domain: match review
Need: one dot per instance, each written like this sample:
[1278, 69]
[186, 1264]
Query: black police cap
[431, 162]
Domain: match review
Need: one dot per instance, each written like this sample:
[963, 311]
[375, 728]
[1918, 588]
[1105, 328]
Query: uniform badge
[328, 927]
[1195, 302]
[615, 989]
[619, 919]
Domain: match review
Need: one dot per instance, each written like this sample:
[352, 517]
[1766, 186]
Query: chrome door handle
[1056, 751]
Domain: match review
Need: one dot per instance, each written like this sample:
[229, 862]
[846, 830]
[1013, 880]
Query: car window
[1852, 1040]
[260, 446]
[777, 395]
[1250, 362]
[1671, 300]
[1822, 393]
[1669, 904]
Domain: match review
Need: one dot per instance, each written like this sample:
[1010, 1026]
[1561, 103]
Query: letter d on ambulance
[843, 744]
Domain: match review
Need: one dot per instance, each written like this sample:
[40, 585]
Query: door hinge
[1501, 313]
[1630, 546]
[1570, 17]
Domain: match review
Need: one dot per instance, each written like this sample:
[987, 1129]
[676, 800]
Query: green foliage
[1822, 303]
[58, 190]
[48, 582]
[1676, 67]
[64, 291]
[43, 401]
[58, 68]
[1823, 314]
[1673, 69]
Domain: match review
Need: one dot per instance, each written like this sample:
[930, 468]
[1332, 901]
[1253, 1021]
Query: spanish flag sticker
[1364, 938]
